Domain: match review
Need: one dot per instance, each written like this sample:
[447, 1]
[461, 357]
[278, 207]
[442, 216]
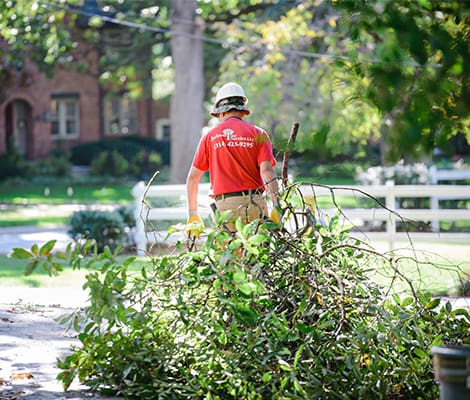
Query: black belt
[236, 194]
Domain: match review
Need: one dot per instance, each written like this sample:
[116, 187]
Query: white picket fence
[145, 212]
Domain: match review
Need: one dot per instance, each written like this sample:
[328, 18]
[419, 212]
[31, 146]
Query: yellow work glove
[276, 216]
[195, 226]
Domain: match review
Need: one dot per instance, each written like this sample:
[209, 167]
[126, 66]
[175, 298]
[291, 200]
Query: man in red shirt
[240, 161]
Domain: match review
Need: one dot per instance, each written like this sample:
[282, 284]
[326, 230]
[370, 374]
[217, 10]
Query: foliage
[287, 86]
[109, 163]
[40, 257]
[145, 163]
[105, 228]
[266, 313]
[358, 72]
[56, 167]
[40, 32]
[12, 164]
[85, 153]
[413, 55]
[150, 145]
[143, 155]
[127, 214]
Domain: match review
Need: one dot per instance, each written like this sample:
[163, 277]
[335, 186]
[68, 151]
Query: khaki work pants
[247, 207]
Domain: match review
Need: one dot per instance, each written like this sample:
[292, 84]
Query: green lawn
[12, 274]
[63, 194]
[11, 218]
[18, 203]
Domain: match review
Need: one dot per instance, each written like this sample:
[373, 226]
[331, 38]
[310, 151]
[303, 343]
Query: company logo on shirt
[229, 134]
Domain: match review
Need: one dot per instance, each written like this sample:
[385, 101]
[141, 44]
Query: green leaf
[407, 301]
[239, 276]
[266, 377]
[298, 354]
[421, 353]
[460, 312]
[222, 338]
[257, 239]
[129, 261]
[432, 304]
[47, 247]
[247, 288]
[285, 366]
[21, 254]
[35, 249]
[30, 267]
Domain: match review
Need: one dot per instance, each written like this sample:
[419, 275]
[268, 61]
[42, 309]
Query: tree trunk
[186, 113]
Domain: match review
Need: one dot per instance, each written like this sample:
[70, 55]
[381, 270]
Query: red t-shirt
[232, 153]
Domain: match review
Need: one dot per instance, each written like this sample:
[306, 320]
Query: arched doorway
[18, 127]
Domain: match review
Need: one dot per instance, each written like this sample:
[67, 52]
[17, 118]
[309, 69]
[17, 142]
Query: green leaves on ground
[263, 314]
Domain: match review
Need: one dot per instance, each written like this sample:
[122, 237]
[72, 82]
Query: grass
[12, 219]
[63, 194]
[19, 205]
[434, 267]
[12, 274]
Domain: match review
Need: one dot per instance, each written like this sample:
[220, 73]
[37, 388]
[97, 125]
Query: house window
[64, 116]
[163, 129]
[120, 116]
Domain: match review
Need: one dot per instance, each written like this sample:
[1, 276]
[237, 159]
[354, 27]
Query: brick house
[39, 114]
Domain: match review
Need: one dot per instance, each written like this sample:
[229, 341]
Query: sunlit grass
[63, 194]
[431, 267]
[13, 219]
[12, 273]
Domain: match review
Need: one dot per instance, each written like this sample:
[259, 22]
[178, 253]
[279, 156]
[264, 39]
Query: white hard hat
[230, 96]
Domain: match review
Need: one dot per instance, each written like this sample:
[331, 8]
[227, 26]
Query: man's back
[232, 152]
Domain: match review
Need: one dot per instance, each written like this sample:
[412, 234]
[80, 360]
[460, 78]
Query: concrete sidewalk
[26, 236]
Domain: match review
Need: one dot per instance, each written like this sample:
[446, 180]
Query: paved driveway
[26, 236]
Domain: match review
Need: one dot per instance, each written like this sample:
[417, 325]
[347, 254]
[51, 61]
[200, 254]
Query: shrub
[264, 314]
[128, 147]
[127, 215]
[13, 165]
[145, 163]
[85, 153]
[161, 147]
[57, 167]
[105, 228]
[109, 163]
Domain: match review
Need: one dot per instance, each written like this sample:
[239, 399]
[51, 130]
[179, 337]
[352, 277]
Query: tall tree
[187, 100]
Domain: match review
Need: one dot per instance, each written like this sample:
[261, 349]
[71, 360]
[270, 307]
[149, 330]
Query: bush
[161, 147]
[266, 314]
[128, 147]
[109, 163]
[57, 167]
[86, 153]
[127, 215]
[13, 165]
[105, 228]
[145, 163]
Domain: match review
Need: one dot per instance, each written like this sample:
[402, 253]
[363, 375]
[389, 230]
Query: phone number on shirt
[233, 144]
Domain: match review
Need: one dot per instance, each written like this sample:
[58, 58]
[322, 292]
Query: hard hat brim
[219, 110]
